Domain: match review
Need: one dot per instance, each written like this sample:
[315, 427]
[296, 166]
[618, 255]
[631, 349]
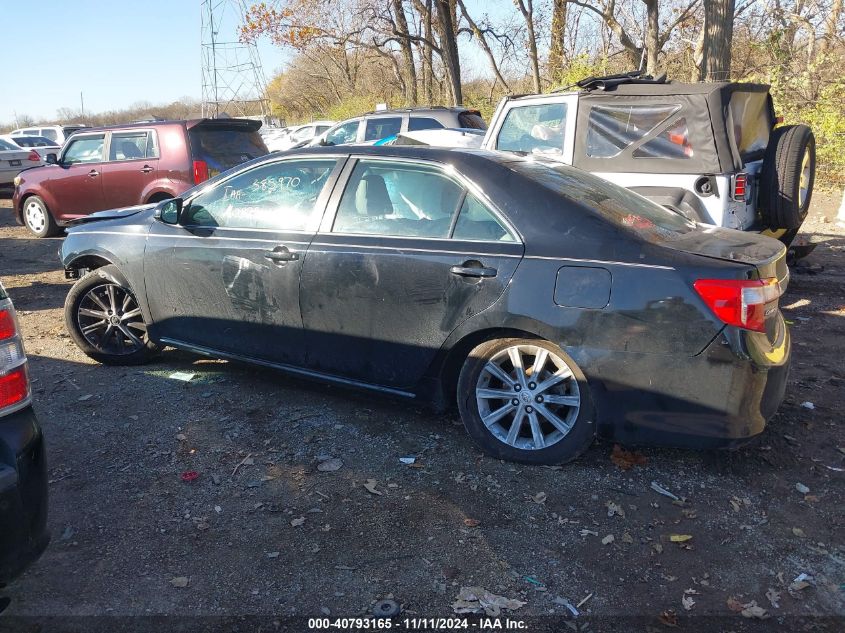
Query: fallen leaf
[540, 497]
[773, 597]
[680, 538]
[370, 485]
[751, 610]
[798, 532]
[297, 522]
[180, 581]
[181, 437]
[330, 465]
[668, 618]
[735, 605]
[478, 599]
[627, 538]
[614, 510]
[626, 460]
[607, 540]
[472, 523]
[688, 603]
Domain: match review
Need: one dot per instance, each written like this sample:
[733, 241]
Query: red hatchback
[121, 166]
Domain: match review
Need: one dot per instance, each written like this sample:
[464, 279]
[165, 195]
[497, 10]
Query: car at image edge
[548, 304]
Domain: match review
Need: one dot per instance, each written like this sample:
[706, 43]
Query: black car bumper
[23, 493]
[719, 398]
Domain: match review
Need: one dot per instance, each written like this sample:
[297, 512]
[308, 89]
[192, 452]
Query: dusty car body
[513, 287]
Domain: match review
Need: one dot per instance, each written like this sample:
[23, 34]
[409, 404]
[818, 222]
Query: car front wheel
[525, 400]
[104, 320]
[38, 218]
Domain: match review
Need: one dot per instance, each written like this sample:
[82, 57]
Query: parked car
[126, 165]
[547, 303]
[40, 144]
[299, 135]
[380, 124]
[467, 138]
[23, 470]
[57, 133]
[708, 150]
[273, 135]
[14, 159]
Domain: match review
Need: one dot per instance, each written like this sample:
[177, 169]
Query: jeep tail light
[34, 156]
[740, 186]
[741, 303]
[14, 380]
[200, 171]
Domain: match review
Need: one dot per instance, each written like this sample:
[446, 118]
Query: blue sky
[115, 52]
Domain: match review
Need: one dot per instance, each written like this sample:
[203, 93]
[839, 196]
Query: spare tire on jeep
[786, 182]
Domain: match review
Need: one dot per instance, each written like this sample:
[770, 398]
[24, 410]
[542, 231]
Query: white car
[57, 133]
[40, 144]
[14, 159]
[299, 134]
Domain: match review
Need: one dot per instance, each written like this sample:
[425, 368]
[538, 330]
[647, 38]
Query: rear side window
[751, 120]
[534, 128]
[612, 129]
[6, 146]
[615, 204]
[223, 149]
[476, 222]
[673, 142]
[473, 120]
[343, 134]
[129, 146]
[88, 149]
[50, 134]
[423, 123]
[382, 128]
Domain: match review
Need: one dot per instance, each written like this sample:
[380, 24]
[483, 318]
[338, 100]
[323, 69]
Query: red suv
[121, 166]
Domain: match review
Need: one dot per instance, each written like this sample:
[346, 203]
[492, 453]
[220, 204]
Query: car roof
[189, 123]
[420, 109]
[420, 152]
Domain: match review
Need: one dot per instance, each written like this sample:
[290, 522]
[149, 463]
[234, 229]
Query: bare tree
[480, 35]
[526, 8]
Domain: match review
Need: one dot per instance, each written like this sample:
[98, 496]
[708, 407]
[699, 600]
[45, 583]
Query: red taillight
[14, 387]
[7, 325]
[739, 302]
[200, 171]
[740, 185]
[34, 156]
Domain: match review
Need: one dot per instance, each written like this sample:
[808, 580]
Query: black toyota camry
[548, 304]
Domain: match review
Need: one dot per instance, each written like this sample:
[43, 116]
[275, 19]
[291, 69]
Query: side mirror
[51, 159]
[169, 211]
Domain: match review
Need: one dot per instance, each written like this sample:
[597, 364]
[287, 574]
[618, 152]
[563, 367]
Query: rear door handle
[281, 254]
[146, 169]
[473, 271]
[93, 173]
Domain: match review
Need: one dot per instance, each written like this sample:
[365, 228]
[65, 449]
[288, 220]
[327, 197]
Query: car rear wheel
[789, 172]
[525, 400]
[105, 321]
[38, 218]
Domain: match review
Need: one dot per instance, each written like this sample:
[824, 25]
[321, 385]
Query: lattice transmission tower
[233, 80]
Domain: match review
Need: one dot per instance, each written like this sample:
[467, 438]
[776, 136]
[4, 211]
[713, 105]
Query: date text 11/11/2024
[417, 624]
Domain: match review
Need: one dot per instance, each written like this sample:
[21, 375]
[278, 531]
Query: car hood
[112, 214]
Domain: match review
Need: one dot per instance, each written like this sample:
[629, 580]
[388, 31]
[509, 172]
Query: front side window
[128, 145]
[382, 128]
[343, 134]
[280, 196]
[612, 129]
[88, 149]
[397, 199]
[534, 128]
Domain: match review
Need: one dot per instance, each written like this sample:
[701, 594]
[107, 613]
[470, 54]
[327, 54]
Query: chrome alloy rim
[35, 216]
[110, 320]
[528, 397]
[804, 182]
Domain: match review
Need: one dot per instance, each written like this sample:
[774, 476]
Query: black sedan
[548, 304]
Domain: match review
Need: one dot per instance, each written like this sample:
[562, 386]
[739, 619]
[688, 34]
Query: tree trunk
[407, 53]
[449, 46]
[479, 35]
[718, 34]
[831, 25]
[526, 8]
[558, 36]
[652, 37]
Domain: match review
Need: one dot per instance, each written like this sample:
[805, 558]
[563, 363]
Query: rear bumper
[720, 398]
[23, 493]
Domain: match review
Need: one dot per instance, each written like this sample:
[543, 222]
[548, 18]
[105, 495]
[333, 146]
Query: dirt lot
[263, 531]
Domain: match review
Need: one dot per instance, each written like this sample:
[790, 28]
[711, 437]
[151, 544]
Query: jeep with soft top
[711, 151]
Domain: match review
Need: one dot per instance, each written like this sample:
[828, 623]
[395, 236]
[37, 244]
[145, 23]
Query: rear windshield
[471, 120]
[34, 141]
[223, 149]
[615, 204]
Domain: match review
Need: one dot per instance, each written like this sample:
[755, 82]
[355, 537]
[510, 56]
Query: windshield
[616, 204]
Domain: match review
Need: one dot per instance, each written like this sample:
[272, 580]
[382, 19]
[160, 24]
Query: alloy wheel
[35, 216]
[528, 397]
[110, 319]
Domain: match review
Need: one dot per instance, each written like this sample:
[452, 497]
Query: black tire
[43, 225]
[572, 444]
[102, 347]
[780, 181]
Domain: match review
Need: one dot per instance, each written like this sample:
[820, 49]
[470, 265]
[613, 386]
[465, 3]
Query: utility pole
[81, 104]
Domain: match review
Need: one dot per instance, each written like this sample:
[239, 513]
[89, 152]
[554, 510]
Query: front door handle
[93, 173]
[146, 169]
[280, 255]
[473, 269]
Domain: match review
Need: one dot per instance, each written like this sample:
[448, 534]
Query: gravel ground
[263, 530]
